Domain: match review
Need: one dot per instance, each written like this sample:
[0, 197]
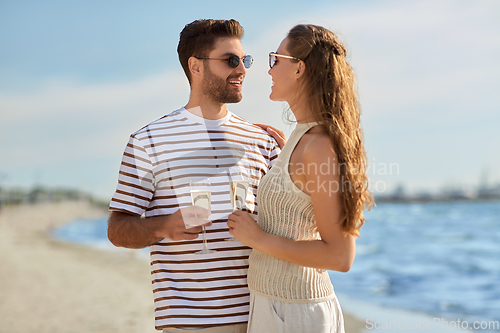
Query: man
[201, 141]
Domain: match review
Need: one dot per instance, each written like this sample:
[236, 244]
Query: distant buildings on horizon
[18, 196]
[482, 193]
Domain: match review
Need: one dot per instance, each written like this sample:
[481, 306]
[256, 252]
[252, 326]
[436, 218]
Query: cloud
[70, 121]
[423, 47]
[58, 97]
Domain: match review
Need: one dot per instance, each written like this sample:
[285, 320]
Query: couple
[299, 220]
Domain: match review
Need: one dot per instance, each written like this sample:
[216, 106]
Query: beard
[218, 89]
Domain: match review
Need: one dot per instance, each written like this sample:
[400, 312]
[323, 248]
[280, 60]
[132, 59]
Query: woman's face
[284, 76]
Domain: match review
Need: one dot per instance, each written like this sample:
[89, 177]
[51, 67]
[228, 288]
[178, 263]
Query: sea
[437, 259]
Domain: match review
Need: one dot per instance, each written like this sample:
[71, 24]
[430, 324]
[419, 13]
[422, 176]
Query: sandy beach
[51, 286]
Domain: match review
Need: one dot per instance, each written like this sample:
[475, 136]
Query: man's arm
[131, 231]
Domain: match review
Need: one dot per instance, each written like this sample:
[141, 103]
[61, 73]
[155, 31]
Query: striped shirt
[158, 164]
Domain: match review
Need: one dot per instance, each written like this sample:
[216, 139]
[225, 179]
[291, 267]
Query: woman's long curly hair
[332, 96]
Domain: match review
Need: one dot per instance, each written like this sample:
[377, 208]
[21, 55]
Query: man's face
[222, 83]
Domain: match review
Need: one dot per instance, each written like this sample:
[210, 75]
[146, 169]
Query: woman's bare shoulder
[316, 146]
[317, 140]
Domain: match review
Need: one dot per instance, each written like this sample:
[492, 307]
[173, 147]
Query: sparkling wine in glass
[201, 196]
[238, 188]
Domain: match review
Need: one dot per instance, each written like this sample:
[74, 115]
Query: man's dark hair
[198, 38]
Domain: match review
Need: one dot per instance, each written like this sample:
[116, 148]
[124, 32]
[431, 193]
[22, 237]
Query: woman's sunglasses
[234, 61]
[273, 56]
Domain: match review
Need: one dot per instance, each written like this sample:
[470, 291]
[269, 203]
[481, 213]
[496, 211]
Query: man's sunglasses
[234, 61]
[273, 56]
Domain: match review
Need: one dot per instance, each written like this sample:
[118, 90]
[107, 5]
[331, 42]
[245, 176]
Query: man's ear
[195, 66]
[301, 68]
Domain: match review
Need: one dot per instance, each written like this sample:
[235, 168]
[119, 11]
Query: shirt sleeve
[136, 183]
[273, 152]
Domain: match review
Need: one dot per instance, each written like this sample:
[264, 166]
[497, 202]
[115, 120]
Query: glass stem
[205, 243]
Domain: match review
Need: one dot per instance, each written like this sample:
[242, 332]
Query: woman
[311, 202]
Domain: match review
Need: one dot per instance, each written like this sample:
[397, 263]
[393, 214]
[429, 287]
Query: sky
[77, 78]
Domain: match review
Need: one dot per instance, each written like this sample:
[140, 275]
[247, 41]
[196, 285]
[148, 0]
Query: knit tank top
[286, 211]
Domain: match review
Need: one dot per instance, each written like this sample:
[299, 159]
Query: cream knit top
[286, 211]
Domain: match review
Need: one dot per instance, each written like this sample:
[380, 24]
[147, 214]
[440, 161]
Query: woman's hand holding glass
[242, 226]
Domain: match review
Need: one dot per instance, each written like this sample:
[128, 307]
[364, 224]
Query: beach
[52, 286]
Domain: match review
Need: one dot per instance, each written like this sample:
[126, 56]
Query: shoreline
[61, 286]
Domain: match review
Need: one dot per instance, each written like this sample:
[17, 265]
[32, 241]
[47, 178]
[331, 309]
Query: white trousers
[239, 328]
[278, 317]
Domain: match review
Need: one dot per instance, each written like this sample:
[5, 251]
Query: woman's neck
[302, 112]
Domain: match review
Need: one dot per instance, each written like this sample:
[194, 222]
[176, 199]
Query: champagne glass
[201, 196]
[238, 188]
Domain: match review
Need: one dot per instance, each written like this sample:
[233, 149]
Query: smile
[236, 83]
